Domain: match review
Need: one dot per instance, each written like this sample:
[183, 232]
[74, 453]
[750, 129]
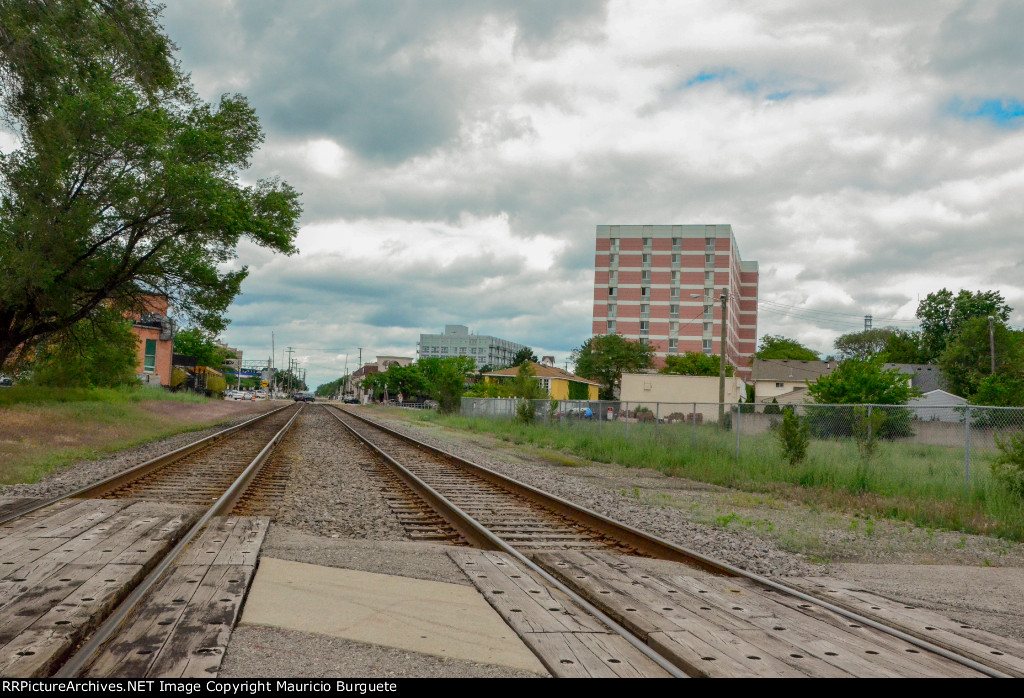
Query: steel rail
[116, 480]
[81, 659]
[464, 523]
[629, 534]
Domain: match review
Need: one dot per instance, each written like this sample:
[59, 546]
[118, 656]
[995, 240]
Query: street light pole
[721, 363]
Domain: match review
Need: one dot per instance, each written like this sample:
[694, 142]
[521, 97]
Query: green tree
[527, 389]
[100, 351]
[779, 347]
[857, 382]
[446, 380]
[524, 354]
[794, 436]
[942, 315]
[863, 344]
[604, 358]
[197, 343]
[124, 183]
[862, 381]
[695, 363]
[966, 363]
[904, 347]
[331, 388]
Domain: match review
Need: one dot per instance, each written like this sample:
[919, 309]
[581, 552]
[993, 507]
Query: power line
[830, 313]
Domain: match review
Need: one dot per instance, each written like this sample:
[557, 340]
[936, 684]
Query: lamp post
[721, 363]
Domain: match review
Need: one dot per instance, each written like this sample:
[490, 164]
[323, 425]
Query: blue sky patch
[1001, 112]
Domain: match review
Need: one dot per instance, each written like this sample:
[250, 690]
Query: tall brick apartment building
[661, 284]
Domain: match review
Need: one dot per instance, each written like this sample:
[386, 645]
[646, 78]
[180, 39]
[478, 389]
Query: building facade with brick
[155, 332]
[662, 284]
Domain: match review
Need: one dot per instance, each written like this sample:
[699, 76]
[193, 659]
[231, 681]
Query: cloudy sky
[455, 157]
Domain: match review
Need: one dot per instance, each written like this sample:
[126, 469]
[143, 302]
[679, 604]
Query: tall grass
[920, 483]
[32, 394]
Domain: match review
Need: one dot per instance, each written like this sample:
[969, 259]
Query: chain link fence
[899, 442]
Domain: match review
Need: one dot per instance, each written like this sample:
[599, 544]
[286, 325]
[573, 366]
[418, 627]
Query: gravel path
[333, 491]
[735, 547]
[86, 472]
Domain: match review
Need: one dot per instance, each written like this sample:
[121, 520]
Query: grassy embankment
[922, 484]
[43, 429]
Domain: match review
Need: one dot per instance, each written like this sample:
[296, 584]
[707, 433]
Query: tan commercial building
[677, 394]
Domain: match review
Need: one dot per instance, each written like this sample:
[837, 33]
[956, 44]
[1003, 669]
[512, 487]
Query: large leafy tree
[446, 380]
[124, 183]
[862, 381]
[904, 347]
[695, 363]
[779, 347]
[524, 354]
[967, 363]
[196, 343]
[863, 344]
[97, 353]
[943, 314]
[604, 358]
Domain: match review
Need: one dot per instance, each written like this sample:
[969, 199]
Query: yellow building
[556, 382]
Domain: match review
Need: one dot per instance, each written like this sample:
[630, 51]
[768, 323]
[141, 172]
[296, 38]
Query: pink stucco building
[662, 284]
[155, 331]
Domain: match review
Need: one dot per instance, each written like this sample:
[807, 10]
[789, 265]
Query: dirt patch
[202, 413]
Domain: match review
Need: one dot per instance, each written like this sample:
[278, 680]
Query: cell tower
[867, 322]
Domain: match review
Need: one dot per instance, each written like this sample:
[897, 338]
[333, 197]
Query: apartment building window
[647, 243]
[673, 328]
[645, 292]
[611, 327]
[673, 310]
[673, 346]
[673, 293]
[613, 260]
[645, 276]
[709, 244]
[646, 259]
[615, 244]
[645, 310]
[707, 327]
[677, 243]
[709, 261]
[707, 346]
[613, 278]
[676, 260]
[612, 310]
[643, 340]
[645, 327]
[149, 366]
[709, 278]
[611, 292]
[675, 277]
[709, 312]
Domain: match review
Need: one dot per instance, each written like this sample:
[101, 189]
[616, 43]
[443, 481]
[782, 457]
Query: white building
[458, 341]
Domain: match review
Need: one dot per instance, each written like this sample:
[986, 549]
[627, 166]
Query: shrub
[1008, 466]
[794, 436]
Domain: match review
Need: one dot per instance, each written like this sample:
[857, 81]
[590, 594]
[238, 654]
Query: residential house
[785, 380]
[557, 383]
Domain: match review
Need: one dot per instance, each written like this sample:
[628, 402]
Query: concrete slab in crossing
[445, 620]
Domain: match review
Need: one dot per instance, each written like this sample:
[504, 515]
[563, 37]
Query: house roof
[926, 377]
[795, 396]
[541, 371]
[791, 369]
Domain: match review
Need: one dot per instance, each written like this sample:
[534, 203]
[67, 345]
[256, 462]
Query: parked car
[304, 396]
[6, 382]
[351, 400]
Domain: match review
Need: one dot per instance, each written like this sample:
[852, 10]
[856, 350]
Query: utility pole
[290, 350]
[721, 363]
[992, 342]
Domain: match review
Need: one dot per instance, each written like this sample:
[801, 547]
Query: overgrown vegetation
[794, 436]
[922, 484]
[1008, 465]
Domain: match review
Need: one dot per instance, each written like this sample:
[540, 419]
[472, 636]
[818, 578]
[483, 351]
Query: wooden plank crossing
[182, 628]
[731, 627]
[567, 640]
[1004, 654]
[64, 567]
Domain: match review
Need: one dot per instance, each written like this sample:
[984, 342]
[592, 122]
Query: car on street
[304, 396]
[351, 401]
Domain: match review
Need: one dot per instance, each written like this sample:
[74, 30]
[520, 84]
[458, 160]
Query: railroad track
[493, 512]
[167, 526]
